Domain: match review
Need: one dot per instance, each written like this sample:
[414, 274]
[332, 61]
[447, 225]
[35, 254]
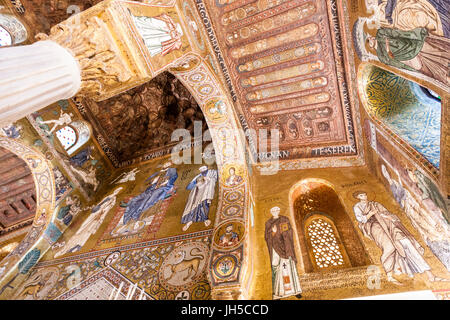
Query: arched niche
[74, 136]
[313, 199]
[404, 109]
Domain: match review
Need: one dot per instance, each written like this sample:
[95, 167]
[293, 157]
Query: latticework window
[325, 247]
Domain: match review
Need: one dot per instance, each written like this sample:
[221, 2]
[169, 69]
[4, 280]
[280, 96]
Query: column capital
[100, 60]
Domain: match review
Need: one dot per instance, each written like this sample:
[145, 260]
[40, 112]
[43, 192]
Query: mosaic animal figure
[31, 290]
[181, 264]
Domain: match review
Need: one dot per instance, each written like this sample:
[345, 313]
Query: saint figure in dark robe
[280, 242]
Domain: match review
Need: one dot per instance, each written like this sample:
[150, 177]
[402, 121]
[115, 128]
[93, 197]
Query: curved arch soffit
[196, 75]
[429, 153]
[34, 242]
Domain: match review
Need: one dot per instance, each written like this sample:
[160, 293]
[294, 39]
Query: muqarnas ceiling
[287, 62]
[138, 124]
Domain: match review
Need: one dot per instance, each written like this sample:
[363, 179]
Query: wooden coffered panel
[285, 60]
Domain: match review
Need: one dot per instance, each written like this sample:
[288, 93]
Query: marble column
[35, 76]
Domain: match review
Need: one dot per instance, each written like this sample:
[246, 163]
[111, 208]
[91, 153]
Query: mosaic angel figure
[161, 34]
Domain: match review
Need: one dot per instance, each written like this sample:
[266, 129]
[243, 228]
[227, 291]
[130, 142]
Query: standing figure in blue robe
[161, 188]
[82, 157]
[202, 193]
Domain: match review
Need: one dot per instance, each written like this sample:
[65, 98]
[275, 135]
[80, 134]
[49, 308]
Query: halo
[370, 194]
[284, 211]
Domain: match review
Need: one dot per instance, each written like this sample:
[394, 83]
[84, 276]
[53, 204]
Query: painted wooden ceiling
[17, 193]
[285, 64]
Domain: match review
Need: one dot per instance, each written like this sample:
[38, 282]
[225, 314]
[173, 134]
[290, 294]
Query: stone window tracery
[5, 37]
[74, 136]
[324, 243]
[67, 136]
[12, 31]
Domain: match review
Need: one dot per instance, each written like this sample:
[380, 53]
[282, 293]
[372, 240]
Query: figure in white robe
[401, 253]
[90, 225]
[64, 119]
[202, 193]
[161, 34]
[126, 176]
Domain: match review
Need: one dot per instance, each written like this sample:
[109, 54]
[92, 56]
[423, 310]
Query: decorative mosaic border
[128, 247]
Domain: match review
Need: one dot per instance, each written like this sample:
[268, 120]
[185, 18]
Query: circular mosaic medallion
[112, 258]
[197, 77]
[232, 210]
[232, 175]
[183, 266]
[224, 266]
[229, 235]
[205, 89]
[216, 110]
[233, 196]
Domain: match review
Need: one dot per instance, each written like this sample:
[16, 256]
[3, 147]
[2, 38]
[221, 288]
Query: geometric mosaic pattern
[399, 104]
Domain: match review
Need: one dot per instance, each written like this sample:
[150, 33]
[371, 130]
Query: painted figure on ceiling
[411, 14]
[280, 242]
[202, 193]
[126, 176]
[11, 131]
[429, 193]
[161, 34]
[61, 183]
[64, 119]
[82, 157]
[160, 188]
[90, 225]
[396, 188]
[415, 50]
[88, 175]
[401, 253]
[71, 209]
